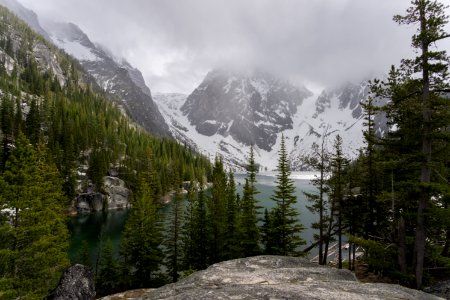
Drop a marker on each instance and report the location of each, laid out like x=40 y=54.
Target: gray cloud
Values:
x=175 y=42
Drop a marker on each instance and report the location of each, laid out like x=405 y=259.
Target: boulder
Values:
x=441 y=289
x=77 y=282
x=116 y=192
x=89 y=202
x=278 y=277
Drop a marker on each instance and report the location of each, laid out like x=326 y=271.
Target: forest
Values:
x=392 y=201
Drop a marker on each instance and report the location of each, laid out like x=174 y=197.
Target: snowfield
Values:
x=309 y=125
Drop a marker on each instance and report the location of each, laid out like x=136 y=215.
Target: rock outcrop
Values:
x=89 y=202
x=77 y=282
x=116 y=192
x=441 y=289
x=115 y=196
x=277 y=277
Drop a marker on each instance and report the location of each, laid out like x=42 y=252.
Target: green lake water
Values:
x=95 y=227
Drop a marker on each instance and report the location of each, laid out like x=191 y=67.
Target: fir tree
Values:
x=433 y=66
x=173 y=251
x=142 y=237
x=250 y=236
x=320 y=161
x=107 y=279
x=200 y=240
x=232 y=231
x=285 y=224
x=188 y=232
x=34 y=248
x=217 y=212
x=337 y=184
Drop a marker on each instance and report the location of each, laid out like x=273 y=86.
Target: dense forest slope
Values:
x=54 y=121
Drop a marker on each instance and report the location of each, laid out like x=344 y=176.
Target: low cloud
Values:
x=174 y=43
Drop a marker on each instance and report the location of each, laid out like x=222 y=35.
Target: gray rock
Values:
x=117 y=194
x=441 y=289
x=89 y=202
x=277 y=277
x=76 y=283
x=253 y=108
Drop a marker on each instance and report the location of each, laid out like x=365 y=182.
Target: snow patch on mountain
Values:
x=75 y=49
x=334 y=111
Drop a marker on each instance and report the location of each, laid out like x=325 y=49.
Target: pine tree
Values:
x=107 y=279
x=188 y=232
x=371 y=181
x=200 y=240
x=415 y=145
x=232 y=232
x=250 y=236
x=217 y=212
x=33 y=123
x=173 y=251
x=285 y=217
x=320 y=161
x=267 y=235
x=337 y=184
x=433 y=65
x=142 y=237
x=34 y=248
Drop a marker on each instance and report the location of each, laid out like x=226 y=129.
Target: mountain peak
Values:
x=252 y=107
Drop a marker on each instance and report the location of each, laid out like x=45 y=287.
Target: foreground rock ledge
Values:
x=275 y=277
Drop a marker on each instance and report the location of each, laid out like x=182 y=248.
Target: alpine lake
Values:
x=99 y=227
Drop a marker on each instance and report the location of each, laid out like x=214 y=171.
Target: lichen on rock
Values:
x=278 y=277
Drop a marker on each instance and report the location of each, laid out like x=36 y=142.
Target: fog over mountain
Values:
x=175 y=44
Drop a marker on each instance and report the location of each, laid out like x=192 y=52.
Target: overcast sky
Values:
x=176 y=42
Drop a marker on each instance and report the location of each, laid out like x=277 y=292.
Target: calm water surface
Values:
x=93 y=228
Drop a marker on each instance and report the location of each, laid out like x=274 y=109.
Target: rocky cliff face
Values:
x=229 y=112
x=252 y=108
x=116 y=196
x=274 y=277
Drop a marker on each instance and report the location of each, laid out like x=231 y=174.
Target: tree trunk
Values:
x=425 y=177
x=321 y=221
x=445 y=250
x=402 y=246
x=328 y=235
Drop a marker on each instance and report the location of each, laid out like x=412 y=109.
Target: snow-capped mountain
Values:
x=264 y=108
x=251 y=108
x=116 y=77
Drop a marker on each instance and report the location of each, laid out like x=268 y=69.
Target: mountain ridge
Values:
x=310 y=117
x=120 y=81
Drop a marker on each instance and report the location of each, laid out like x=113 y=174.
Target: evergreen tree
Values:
x=267 y=234
x=200 y=240
x=83 y=254
x=337 y=184
x=413 y=150
x=142 y=237
x=285 y=217
x=433 y=66
x=232 y=232
x=320 y=161
x=35 y=239
x=173 y=251
x=370 y=182
x=107 y=279
x=188 y=232
x=33 y=123
x=250 y=235
x=217 y=212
